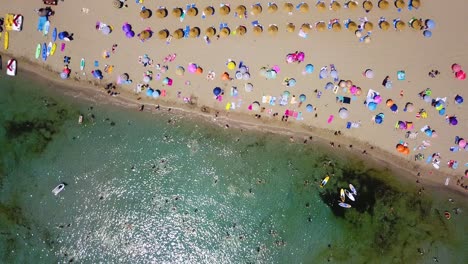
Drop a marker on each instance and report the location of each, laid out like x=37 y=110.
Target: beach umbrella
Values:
x=352 y=26
x=263 y=71
x=126 y=27
x=224 y=10
x=384 y=25
x=257 y=30
x=211 y=31
x=167 y=81
x=304 y=8
x=329 y=86
x=323 y=74
x=302 y=98
x=400 y=4
x=225 y=77
x=117 y=4
x=430 y=24
x=383 y=4
x=149 y=92
x=389 y=102
x=146 y=79
x=378 y=99
x=144 y=35
x=415 y=3
x=428 y=132
x=194 y=32
x=456 y=67
x=97 y=74
x=177 y=12
x=372 y=106
x=406 y=151
x=241 y=30
x=225 y=31
x=458 y=99
x=124 y=77
x=305 y=27
x=409 y=107
x=130 y=34
x=334 y=74
x=353 y=90
x=238 y=75
x=241 y=9
x=288 y=7
x=427 y=33
x=192 y=11
x=248 y=87
x=416 y=24
x=273 y=29
x=442 y=111
x=271 y=74
x=246 y=76
x=453 y=121
x=286 y=93
x=272 y=8
x=427 y=98
x=106 y=30
x=378 y=118
x=352 y=5
x=199 y=70
x=209 y=11
x=290 y=58
x=400 y=148
x=343 y=113
x=156 y=94
x=231 y=65
x=256 y=9
x=368 y=26
x=180 y=71
x=369 y=73
x=320 y=26
x=192 y=67
x=300 y=56
x=290 y=27
x=367 y=5
x=64 y=75
x=394 y=108
x=62 y=35
x=335 y=6
x=255 y=106
x=400 y=25
x=309 y=108
x=161 y=13
x=462 y=143
x=178 y=33
x=145 y=13
x=309 y=68
x=336 y=27
x=401 y=125
x=217 y=91
x=243 y=69
x=460 y=75
x=291 y=82
x=321 y=6
x=163 y=34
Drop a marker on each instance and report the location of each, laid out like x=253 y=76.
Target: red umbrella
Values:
x=460 y=75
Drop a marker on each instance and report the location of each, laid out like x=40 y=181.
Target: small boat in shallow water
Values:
x=344 y=205
x=447 y=215
x=350 y=195
x=58 y=189
x=324 y=181
x=342 y=195
x=353 y=190
x=80 y=119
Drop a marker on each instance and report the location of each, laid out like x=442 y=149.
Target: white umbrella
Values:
x=343 y=113
x=248 y=87
x=246 y=76
x=146 y=79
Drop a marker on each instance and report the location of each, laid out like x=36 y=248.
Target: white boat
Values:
x=350 y=195
x=11 y=67
x=58 y=189
x=342 y=195
x=80 y=119
x=353 y=190
x=344 y=205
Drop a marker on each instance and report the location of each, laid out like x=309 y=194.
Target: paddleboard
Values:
x=46 y=28
x=44 y=52
x=324 y=181
x=54 y=35
x=6 y=38
x=54 y=47
x=82 y=64
x=353 y=190
x=38 y=51
x=350 y=195
x=342 y=195
x=344 y=205
x=49 y=48
x=11 y=67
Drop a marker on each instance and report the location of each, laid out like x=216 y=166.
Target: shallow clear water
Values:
x=142 y=190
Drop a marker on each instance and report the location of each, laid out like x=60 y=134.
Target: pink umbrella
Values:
x=276 y=68
x=456 y=67
x=300 y=56
x=462 y=143
x=460 y=75
x=192 y=68
x=290 y=58
x=378 y=99
x=353 y=89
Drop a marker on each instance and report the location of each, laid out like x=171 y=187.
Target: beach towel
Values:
x=163 y=92
x=228 y=106
x=233 y=106
x=330 y=119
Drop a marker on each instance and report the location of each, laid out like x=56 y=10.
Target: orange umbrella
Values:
x=241 y=30
x=321 y=6
x=163 y=34
x=161 y=12
x=400 y=25
x=290 y=27
x=224 y=32
x=368 y=26
x=194 y=32
x=178 y=34
x=241 y=10
x=273 y=29
x=367 y=5
x=193 y=11
x=389 y=102
x=384 y=25
x=320 y=26
x=352 y=26
x=406 y=151
x=257 y=9
x=199 y=70
x=400 y=4
x=258 y=30
x=383 y=4
x=225 y=76
x=335 y=6
x=211 y=31
x=224 y=10
x=288 y=7
x=305 y=27
x=209 y=11
x=400 y=148
x=272 y=8
x=177 y=12
x=304 y=8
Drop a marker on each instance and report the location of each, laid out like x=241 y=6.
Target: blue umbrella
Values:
x=302 y=97
x=217 y=91
x=378 y=119
x=97 y=74
x=63 y=75
x=428 y=132
x=372 y=106
x=156 y=94
x=458 y=99
x=309 y=108
x=149 y=92
x=442 y=111
x=430 y=24
x=427 y=99
x=63 y=35
x=309 y=68
x=427 y=33
x=329 y=86
x=394 y=107
x=292 y=82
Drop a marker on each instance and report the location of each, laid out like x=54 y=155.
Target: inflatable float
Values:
x=11 y=67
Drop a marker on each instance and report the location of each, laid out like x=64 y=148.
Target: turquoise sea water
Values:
x=142 y=190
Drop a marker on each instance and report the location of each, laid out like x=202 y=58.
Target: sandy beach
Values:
x=386 y=53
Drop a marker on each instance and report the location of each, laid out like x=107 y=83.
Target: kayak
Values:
x=38 y=51
x=54 y=47
x=324 y=181
x=353 y=190
x=49 y=48
x=342 y=195
x=350 y=195
x=46 y=28
x=44 y=52
x=54 y=35
x=344 y=205
x=11 y=67
x=82 y=64
x=6 y=38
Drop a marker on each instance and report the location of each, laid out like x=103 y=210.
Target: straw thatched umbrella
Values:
x=178 y=34
x=400 y=4
x=241 y=9
x=224 y=32
x=257 y=9
x=336 y=26
x=224 y=10
x=335 y=6
x=145 y=14
x=161 y=12
x=211 y=31
x=288 y=7
x=272 y=8
x=352 y=5
x=144 y=35
x=320 y=26
x=383 y=4
x=367 y=5
x=321 y=6
x=177 y=12
x=194 y=32
x=384 y=25
x=305 y=27
x=352 y=26
x=241 y=30
x=209 y=11
x=290 y=27
x=117 y=4
x=258 y=30
x=416 y=3
x=304 y=8
x=368 y=26
x=400 y=25
x=416 y=24
x=273 y=29
x=163 y=34
x=193 y=11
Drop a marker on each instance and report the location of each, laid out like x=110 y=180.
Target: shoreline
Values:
x=93 y=91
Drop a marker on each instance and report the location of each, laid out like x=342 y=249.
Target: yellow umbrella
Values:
x=145 y=13
x=304 y=8
x=320 y=26
x=224 y=10
x=211 y=31
x=161 y=12
x=352 y=5
x=241 y=10
x=178 y=34
x=241 y=30
x=194 y=32
x=258 y=30
x=231 y=65
x=272 y=8
x=288 y=7
x=335 y=6
x=400 y=25
x=416 y=24
x=383 y=4
x=209 y=11
x=305 y=27
x=290 y=27
x=321 y=6
x=368 y=26
x=177 y=12
x=224 y=32
x=384 y=25
x=336 y=27
x=352 y=26
x=193 y=11
x=400 y=4
x=367 y=5
x=416 y=3
x=273 y=29
x=257 y=9
x=163 y=34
